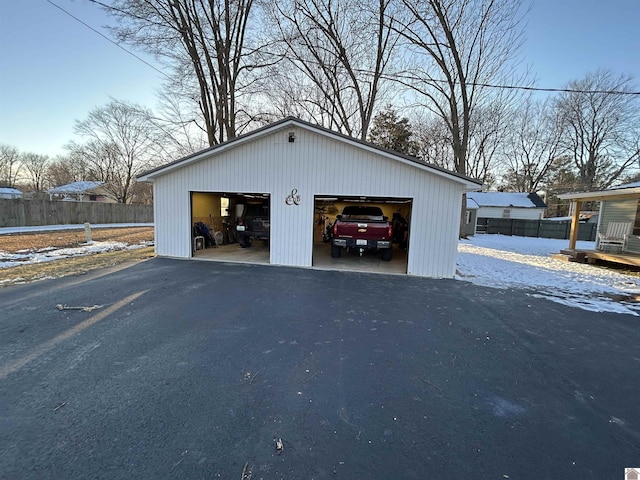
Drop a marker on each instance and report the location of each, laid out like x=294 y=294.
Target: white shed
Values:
x=516 y=205
x=298 y=167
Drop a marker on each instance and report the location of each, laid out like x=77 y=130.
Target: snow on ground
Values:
x=49 y=254
x=501 y=261
x=496 y=261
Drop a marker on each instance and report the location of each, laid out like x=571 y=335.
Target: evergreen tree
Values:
x=391 y=132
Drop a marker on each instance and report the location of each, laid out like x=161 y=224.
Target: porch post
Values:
x=575 y=222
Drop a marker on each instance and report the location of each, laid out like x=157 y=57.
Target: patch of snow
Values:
x=8 y=260
x=497 y=261
x=525 y=263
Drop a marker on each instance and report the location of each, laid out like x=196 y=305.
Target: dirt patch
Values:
x=30 y=242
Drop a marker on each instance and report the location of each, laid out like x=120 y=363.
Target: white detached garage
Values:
x=294 y=160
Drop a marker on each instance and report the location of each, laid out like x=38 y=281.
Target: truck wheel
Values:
x=387 y=253
x=245 y=242
x=336 y=251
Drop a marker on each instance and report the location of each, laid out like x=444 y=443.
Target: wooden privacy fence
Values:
x=536 y=228
x=23 y=213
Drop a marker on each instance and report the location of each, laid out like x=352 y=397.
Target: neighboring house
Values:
x=618 y=204
x=10 y=193
x=83 y=191
x=508 y=205
x=471 y=216
x=293 y=166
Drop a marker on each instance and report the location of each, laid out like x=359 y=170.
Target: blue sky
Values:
x=54 y=70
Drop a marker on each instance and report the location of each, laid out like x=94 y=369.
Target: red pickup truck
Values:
x=362 y=228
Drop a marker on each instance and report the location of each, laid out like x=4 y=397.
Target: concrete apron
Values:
x=258 y=253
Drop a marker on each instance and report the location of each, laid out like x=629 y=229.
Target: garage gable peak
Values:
x=284 y=126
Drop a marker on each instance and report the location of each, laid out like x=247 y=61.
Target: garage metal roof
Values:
x=470 y=183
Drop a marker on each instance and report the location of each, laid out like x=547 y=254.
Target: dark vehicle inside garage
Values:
x=252 y=222
x=361 y=233
x=362 y=228
x=225 y=224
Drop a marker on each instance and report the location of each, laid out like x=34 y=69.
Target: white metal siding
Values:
x=518 y=213
x=313 y=165
x=172 y=224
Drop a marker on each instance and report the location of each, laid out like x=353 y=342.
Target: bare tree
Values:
x=36 y=168
x=532 y=146
x=211 y=49
x=121 y=142
x=459 y=47
x=184 y=135
x=10 y=165
x=339 y=51
x=67 y=169
x=601 y=128
x=487 y=130
x=433 y=142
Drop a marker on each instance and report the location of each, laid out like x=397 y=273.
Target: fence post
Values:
x=87 y=233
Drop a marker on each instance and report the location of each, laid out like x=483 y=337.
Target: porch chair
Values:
x=616 y=236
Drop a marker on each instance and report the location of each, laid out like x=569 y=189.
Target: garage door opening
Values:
x=231 y=227
x=361 y=251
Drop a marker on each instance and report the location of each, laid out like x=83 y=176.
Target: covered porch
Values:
x=617 y=205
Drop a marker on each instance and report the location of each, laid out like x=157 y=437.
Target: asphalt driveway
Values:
x=194 y=369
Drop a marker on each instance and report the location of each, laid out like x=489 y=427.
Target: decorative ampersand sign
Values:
x=293 y=198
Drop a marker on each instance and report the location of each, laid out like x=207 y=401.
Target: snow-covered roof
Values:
x=506 y=199
x=10 y=191
x=626 y=185
x=472 y=204
x=76 y=187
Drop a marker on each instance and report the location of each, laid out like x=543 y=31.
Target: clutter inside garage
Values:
x=227 y=218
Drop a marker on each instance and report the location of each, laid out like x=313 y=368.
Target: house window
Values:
x=636 y=223
x=93 y=198
x=506 y=213
x=467 y=217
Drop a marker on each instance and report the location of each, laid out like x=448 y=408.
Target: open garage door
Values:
x=231 y=227
x=359 y=250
